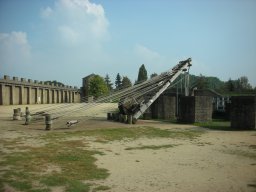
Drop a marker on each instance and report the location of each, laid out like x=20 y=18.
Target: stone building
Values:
x=243 y=112
x=195 y=109
x=164 y=107
x=17 y=91
x=219 y=101
x=174 y=105
x=85 y=88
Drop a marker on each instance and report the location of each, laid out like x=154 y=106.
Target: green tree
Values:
x=244 y=83
x=202 y=82
x=230 y=85
x=108 y=82
x=153 y=75
x=118 y=82
x=97 y=86
x=143 y=74
x=55 y=83
x=126 y=82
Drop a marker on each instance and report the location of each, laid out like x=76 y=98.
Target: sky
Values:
x=66 y=40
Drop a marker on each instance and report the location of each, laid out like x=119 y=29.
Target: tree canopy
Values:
x=118 y=82
x=108 y=82
x=97 y=86
x=126 y=82
x=143 y=74
x=153 y=75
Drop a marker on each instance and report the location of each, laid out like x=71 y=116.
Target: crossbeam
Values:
x=174 y=73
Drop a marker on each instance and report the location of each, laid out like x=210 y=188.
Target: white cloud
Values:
x=69 y=34
x=77 y=21
x=154 y=61
x=14 y=49
x=146 y=53
x=46 y=12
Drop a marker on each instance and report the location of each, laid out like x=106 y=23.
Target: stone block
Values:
x=243 y=112
x=15 y=79
x=6 y=77
x=195 y=109
x=164 y=108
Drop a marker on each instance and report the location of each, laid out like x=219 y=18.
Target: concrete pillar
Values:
x=1 y=94
x=61 y=96
x=21 y=96
x=49 y=96
x=41 y=96
x=56 y=96
x=12 y=95
x=66 y=96
x=243 y=112
x=69 y=96
x=29 y=94
x=53 y=96
x=73 y=97
x=37 y=95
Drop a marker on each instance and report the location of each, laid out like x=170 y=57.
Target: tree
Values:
x=153 y=75
x=97 y=86
x=108 y=82
x=126 y=82
x=118 y=82
x=230 y=85
x=142 y=75
x=244 y=83
x=55 y=83
x=202 y=82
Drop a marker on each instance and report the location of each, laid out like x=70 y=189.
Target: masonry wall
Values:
x=14 y=92
x=243 y=112
x=164 y=107
x=195 y=109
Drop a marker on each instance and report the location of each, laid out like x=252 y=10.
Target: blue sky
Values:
x=65 y=40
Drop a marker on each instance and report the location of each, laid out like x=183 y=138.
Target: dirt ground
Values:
x=216 y=161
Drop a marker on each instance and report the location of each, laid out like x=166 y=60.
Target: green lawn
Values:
x=66 y=159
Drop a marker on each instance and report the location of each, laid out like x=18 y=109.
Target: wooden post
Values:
x=16 y=114
x=129 y=121
x=27 y=117
x=48 y=122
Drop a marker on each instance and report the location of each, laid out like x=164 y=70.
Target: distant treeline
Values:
x=230 y=87
x=55 y=83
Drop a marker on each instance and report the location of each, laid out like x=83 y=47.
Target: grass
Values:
x=241 y=153
x=75 y=164
x=101 y=188
x=107 y=135
x=153 y=147
x=65 y=159
x=216 y=125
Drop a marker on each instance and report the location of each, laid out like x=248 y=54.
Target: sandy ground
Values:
x=217 y=161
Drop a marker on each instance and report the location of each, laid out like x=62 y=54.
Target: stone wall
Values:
x=195 y=109
x=243 y=112
x=16 y=92
x=164 y=108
